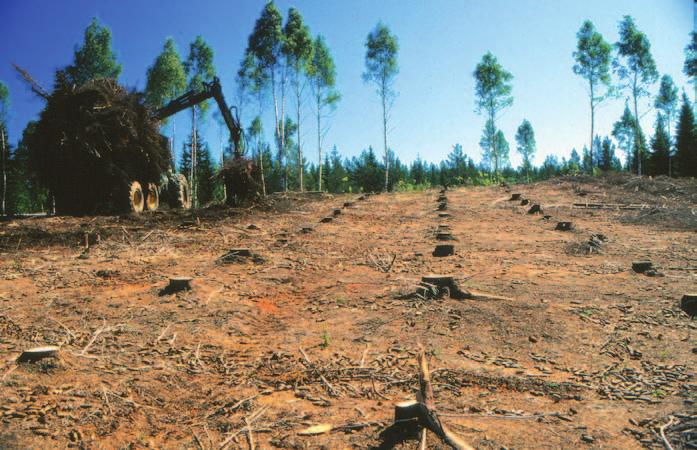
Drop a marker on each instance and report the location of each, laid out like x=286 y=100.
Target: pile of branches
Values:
x=240 y=184
x=91 y=142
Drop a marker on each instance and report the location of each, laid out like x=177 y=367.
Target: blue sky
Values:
x=441 y=41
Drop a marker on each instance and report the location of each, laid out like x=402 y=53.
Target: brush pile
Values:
x=91 y=142
x=240 y=185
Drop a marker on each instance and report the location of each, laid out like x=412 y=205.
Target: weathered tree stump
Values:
x=251 y=226
x=535 y=209
x=38 y=353
x=524 y=202
x=442 y=206
x=348 y=204
x=436 y=286
x=564 y=226
x=688 y=304
x=641 y=266
x=326 y=219
x=442 y=250
x=361 y=198
x=443 y=214
x=445 y=236
x=238 y=255
x=176 y=284
x=514 y=197
x=442 y=198
x=306 y=229
x=443 y=227
x=336 y=212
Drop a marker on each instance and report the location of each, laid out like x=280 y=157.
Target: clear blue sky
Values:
x=441 y=41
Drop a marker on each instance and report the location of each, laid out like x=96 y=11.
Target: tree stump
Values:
x=348 y=204
x=688 y=304
x=514 y=197
x=443 y=227
x=443 y=214
x=442 y=198
x=641 y=266
x=445 y=236
x=306 y=229
x=38 y=353
x=236 y=255
x=524 y=202
x=535 y=209
x=336 y=212
x=361 y=198
x=442 y=206
x=176 y=284
x=564 y=226
x=326 y=219
x=435 y=286
x=442 y=250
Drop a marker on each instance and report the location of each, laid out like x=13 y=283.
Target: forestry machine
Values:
x=174 y=187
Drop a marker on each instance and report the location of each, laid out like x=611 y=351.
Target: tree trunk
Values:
x=637 y=127
x=592 y=125
x=384 y=135
x=260 y=151
x=277 y=121
x=194 y=199
x=283 y=128
x=4 y=170
x=300 y=152
x=319 y=135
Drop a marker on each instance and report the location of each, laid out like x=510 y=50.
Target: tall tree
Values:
x=593 y=55
x=199 y=69
x=4 y=144
x=255 y=132
x=608 y=161
x=667 y=101
x=94 y=59
x=166 y=80
x=264 y=56
x=623 y=131
x=636 y=67
x=297 y=49
x=686 y=141
x=660 y=148
x=381 y=69
x=493 y=91
x=690 y=67
x=525 y=138
x=322 y=74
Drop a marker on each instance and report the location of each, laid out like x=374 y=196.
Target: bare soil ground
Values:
x=563 y=345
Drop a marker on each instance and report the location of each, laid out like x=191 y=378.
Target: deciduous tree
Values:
x=322 y=74
x=381 y=69
x=525 y=138
x=297 y=49
x=94 y=59
x=199 y=69
x=637 y=69
x=166 y=80
x=593 y=56
x=493 y=92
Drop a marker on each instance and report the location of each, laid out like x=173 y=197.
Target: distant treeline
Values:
x=289 y=71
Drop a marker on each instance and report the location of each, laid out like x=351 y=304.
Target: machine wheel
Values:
x=136 y=199
x=152 y=199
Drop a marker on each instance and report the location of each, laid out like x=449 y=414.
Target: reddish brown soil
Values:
x=558 y=349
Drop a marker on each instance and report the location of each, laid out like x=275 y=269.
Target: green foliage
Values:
x=525 y=138
x=592 y=56
x=667 y=98
x=660 y=146
x=634 y=62
x=199 y=68
x=266 y=41
x=381 y=66
x=207 y=183
x=690 y=67
x=94 y=59
x=686 y=141
x=166 y=79
x=493 y=86
x=623 y=132
x=297 y=42
x=4 y=103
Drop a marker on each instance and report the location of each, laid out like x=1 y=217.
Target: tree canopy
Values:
x=94 y=59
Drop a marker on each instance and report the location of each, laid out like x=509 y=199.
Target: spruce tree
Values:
x=94 y=59
x=686 y=141
x=660 y=149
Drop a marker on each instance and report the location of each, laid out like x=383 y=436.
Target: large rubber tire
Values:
x=136 y=199
x=152 y=198
x=183 y=193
